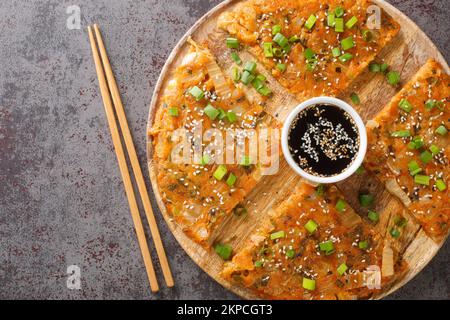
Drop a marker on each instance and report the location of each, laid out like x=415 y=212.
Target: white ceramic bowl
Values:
x=362 y=140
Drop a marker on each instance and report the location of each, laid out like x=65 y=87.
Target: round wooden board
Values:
x=407 y=53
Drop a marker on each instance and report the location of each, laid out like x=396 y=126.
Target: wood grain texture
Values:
x=406 y=53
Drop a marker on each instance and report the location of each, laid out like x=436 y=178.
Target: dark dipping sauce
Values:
x=323 y=140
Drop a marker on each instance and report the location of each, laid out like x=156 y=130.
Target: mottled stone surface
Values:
x=61 y=195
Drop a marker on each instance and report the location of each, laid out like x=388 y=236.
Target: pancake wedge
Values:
x=312 y=48
x=410 y=148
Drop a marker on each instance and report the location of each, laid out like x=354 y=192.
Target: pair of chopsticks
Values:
x=108 y=85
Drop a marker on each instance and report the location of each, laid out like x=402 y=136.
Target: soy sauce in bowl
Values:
x=323 y=140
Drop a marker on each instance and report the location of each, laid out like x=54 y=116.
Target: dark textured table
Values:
x=62 y=201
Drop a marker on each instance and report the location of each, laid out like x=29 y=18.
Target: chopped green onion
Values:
x=261 y=77
x=231 y=179
x=290 y=253
x=331 y=19
x=421 y=179
x=245 y=161
x=224 y=251
x=384 y=67
x=236 y=74
x=405 y=105
x=373 y=216
x=341 y=205
x=366 y=200
x=231 y=116
x=429 y=104
x=281 y=40
x=339 y=12
x=336 y=52
x=367 y=35
x=393 y=77
x=310 y=22
x=205 y=160
x=281 y=67
x=327 y=247
x=173 y=112
x=426 y=156
x=250 y=66
x=232 y=43
x=374 y=67
x=355 y=98
x=346 y=57
x=363 y=245
x=414 y=168
x=197 y=93
x=222 y=114
x=211 y=112
x=339 y=25
x=236 y=58
x=268 y=49
x=395 y=233
x=258 y=264
x=342 y=269
x=294 y=39
x=416 y=143
x=265 y=91
x=347 y=43
x=276 y=29
x=277 y=235
x=441 y=130
x=435 y=149
x=309 y=54
x=257 y=83
x=220 y=172
x=247 y=77
x=440 y=184
x=311 y=226
x=401 y=134
x=350 y=23
x=309 y=284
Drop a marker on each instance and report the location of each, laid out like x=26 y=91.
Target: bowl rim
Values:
x=361 y=132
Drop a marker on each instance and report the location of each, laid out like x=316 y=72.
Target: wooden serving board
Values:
x=406 y=53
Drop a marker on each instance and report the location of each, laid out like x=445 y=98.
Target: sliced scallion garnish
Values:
x=311 y=226
x=350 y=23
x=277 y=235
x=310 y=22
x=232 y=43
x=422 y=179
x=197 y=93
x=347 y=43
x=220 y=172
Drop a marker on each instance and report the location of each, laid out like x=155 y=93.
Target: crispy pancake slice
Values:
x=313 y=240
x=410 y=147
x=315 y=59
x=195 y=197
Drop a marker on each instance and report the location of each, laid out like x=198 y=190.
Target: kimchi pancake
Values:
x=312 y=48
x=199 y=193
x=313 y=247
x=409 y=147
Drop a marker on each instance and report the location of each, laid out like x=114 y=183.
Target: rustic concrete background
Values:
x=61 y=195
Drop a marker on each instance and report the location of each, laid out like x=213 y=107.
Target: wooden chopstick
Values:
x=117 y=102
x=123 y=166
